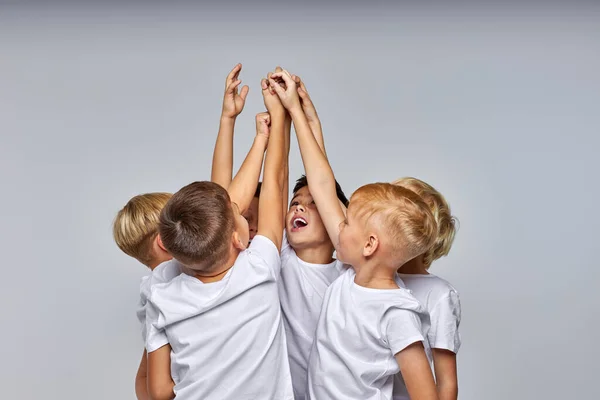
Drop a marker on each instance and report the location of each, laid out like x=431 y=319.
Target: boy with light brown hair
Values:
x=216 y=332
x=136 y=226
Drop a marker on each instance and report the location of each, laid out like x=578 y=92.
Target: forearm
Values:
x=447 y=391
x=242 y=188
x=317 y=131
x=222 y=164
x=286 y=168
x=275 y=160
x=318 y=171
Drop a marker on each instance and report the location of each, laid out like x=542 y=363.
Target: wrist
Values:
x=261 y=139
x=278 y=112
x=227 y=119
x=296 y=112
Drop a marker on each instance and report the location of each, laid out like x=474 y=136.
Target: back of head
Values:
x=446 y=223
x=136 y=225
x=302 y=182
x=407 y=224
x=196 y=225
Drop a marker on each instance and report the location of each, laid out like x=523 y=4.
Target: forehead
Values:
x=302 y=192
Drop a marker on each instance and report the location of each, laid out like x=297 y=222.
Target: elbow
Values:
x=163 y=392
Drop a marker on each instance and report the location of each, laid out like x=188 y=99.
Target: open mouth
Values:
x=298 y=223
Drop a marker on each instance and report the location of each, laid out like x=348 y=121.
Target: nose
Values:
x=300 y=207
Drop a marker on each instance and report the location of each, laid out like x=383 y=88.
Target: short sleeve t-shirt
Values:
x=301 y=290
x=360 y=330
x=227 y=337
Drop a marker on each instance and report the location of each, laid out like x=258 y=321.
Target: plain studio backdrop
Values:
x=496 y=106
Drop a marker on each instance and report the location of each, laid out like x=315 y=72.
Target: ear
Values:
x=160 y=244
x=237 y=242
x=371 y=245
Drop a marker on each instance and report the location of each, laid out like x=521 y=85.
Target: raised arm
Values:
x=310 y=112
x=270 y=222
x=233 y=104
x=242 y=188
x=287 y=131
x=318 y=171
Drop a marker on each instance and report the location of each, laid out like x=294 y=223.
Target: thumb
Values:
x=277 y=87
x=244 y=92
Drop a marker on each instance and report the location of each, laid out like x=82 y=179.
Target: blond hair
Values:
x=446 y=222
x=406 y=219
x=136 y=225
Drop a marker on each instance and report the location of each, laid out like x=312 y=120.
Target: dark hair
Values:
x=302 y=182
x=196 y=225
x=258 y=187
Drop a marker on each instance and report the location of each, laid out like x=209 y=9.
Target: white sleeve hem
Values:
x=156 y=344
x=397 y=347
x=445 y=346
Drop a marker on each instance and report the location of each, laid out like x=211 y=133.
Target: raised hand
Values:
x=307 y=105
x=263 y=124
x=272 y=101
x=233 y=102
x=288 y=92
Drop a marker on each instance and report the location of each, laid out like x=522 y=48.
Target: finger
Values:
x=244 y=92
x=278 y=69
x=297 y=79
x=276 y=86
x=232 y=88
x=264 y=84
x=285 y=76
x=232 y=75
x=268 y=119
x=269 y=75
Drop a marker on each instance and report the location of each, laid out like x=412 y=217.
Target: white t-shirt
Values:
x=301 y=291
x=443 y=305
x=360 y=331
x=227 y=337
x=164 y=272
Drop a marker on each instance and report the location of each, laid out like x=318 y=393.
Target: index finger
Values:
x=232 y=75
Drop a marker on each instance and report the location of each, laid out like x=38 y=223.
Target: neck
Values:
x=155 y=262
x=320 y=254
x=219 y=273
x=414 y=267
x=375 y=275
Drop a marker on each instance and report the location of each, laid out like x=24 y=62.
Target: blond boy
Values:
x=369 y=328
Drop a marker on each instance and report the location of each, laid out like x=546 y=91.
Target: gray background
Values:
x=496 y=106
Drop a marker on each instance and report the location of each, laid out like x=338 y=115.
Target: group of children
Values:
x=246 y=300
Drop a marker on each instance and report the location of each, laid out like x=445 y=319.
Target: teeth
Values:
x=296 y=220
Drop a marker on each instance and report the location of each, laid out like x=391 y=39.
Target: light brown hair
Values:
x=197 y=224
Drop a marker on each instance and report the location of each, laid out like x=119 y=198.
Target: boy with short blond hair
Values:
x=370 y=328
x=135 y=231
x=437 y=295
x=135 y=228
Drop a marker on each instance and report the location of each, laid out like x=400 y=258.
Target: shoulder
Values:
x=433 y=286
x=166 y=271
